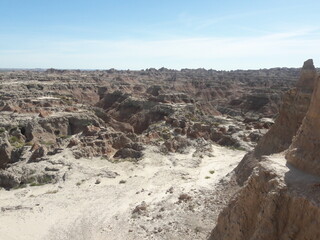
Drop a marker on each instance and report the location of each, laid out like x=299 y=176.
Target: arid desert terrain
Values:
x=160 y=154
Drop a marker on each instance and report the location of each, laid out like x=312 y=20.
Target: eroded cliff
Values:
x=304 y=152
x=280 y=200
x=294 y=107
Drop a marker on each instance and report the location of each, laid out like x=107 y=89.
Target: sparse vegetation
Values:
x=79 y=183
x=35 y=184
x=65 y=136
x=52 y=192
x=211 y=171
x=119 y=160
x=47 y=143
x=22 y=185
x=16 y=142
x=239 y=148
x=39 y=180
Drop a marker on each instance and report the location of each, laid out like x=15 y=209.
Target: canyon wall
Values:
x=276 y=204
x=304 y=153
x=281 y=199
x=294 y=107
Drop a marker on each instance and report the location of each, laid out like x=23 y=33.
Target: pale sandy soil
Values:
x=79 y=207
x=292 y=176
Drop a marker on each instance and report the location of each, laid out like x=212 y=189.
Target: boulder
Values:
x=128 y=153
x=5 y=152
x=38 y=154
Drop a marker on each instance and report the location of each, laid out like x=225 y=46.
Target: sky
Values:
x=140 y=34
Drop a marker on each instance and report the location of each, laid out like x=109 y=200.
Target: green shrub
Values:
x=48 y=143
x=51 y=192
x=65 y=136
x=40 y=180
x=16 y=142
x=22 y=185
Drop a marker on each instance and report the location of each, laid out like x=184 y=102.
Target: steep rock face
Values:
x=280 y=200
x=5 y=151
x=304 y=153
x=306 y=81
x=292 y=112
x=277 y=203
x=294 y=108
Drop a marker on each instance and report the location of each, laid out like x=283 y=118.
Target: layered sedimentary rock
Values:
x=294 y=108
x=278 y=203
x=304 y=153
x=280 y=200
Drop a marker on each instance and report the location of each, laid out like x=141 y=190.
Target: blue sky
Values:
x=96 y=34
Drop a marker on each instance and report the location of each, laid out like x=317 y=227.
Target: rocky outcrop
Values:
x=5 y=151
x=280 y=200
x=176 y=144
x=138 y=112
x=307 y=76
x=294 y=108
x=277 y=203
x=128 y=153
x=304 y=153
x=11 y=147
x=48 y=131
x=38 y=154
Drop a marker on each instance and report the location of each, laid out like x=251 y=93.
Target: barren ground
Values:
x=97 y=199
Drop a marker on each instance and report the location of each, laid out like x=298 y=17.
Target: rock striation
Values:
x=294 y=107
x=280 y=199
x=112 y=114
x=278 y=202
x=304 y=152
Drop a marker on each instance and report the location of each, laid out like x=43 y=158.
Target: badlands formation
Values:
x=159 y=154
x=281 y=198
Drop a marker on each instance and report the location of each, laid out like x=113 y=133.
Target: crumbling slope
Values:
x=304 y=153
x=279 y=202
x=294 y=107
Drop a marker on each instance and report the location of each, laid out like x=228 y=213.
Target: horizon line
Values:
x=143 y=69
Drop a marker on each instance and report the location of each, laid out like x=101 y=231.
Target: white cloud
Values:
x=283 y=49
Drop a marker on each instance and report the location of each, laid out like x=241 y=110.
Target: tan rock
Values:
x=34 y=147
x=44 y=114
x=11 y=108
x=5 y=152
x=90 y=130
x=269 y=208
x=304 y=153
x=279 y=201
x=38 y=154
x=308 y=74
x=294 y=108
